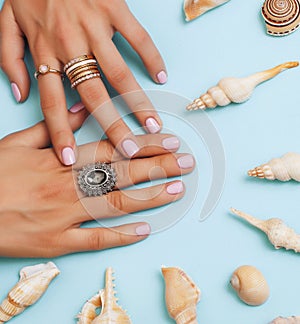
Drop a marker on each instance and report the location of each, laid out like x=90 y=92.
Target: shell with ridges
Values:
x=34 y=281
x=182 y=295
x=286 y=320
x=236 y=90
x=282 y=17
x=250 y=285
x=196 y=8
x=285 y=168
x=280 y=235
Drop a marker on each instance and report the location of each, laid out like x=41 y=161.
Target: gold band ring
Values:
x=45 y=69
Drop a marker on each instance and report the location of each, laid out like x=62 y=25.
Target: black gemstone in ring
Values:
x=97 y=179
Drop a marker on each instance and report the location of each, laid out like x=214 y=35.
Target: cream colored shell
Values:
x=250 y=285
x=286 y=320
x=236 y=90
x=196 y=8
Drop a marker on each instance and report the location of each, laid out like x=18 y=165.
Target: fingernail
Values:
x=130 y=147
x=186 y=161
x=143 y=230
x=68 y=156
x=162 y=77
x=171 y=143
x=175 y=188
x=152 y=125
x=16 y=91
x=77 y=107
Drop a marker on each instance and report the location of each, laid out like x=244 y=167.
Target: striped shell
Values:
x=282 y=17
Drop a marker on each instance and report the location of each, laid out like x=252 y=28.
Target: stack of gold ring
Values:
x=81 y=68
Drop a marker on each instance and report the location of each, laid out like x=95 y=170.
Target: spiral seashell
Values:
x=285 y=168
x=282 y=17
x=182 y=296
x=250 y=285
x=236 y=90
x=286 y=320
x=279 y=234
x=34 y=281
x=196 y=8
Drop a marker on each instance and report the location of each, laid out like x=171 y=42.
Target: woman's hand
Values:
x=58 y=31
x=42 y=208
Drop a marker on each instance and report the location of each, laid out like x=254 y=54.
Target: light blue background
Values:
x=229 y=41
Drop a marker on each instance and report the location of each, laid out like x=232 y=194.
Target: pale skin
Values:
x=58 y=31
x=42 y=208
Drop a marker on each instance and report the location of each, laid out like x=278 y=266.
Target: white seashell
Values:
x=250 y=285
x=280 y=235
x=182 y=296
x=34 y=281
x=286 y=320
x=284 y=169
x=111 y=312
x=282 y=17
x=236 y=90
x=196 y=8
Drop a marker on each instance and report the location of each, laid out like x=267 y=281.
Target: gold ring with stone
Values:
x=45 y=69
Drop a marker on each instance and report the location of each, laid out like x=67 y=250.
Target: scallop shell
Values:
x=282 y=17
x=286 y=320
x=34 y=281
x=196 y=8
x=182 y=296
x=250 y=285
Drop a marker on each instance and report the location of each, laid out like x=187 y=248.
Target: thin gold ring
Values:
x=45 y=69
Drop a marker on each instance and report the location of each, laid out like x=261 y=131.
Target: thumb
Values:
x=12 y=50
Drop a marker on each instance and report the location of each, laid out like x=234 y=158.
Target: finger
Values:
x=94 y=239
x=12 y=54
x=142 y=43
x=37 y=136
x=104 y=151
x=120 y=77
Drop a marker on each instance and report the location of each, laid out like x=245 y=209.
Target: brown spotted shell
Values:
x=282 y=17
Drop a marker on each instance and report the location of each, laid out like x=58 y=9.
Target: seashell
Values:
x=280 y=235
x=282 y=17
x=111 y=312
x=34 y=281
x=182 y=296
x=196 y=8
x=286 y=320
x=250 y=285
x=236 y=90
x=284 y=168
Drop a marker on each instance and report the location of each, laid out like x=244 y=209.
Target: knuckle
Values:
x=95 y=241
x=118 y=74
x=125 y=172
x=117 y=203
x=142 y=36
x=92 y=94
x=50 y=103
x=141 y=105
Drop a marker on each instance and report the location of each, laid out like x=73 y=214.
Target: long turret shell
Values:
x=236 y=90
x=196 y=8
x=250 y=285
x=280 y=235
x=34 y=281
x=181 y=295
x=284 y=168
x=286 y=320
x=111 y=312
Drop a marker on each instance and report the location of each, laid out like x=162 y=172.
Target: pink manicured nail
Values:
x=77 y=107
x=130 y=147
x=152 y=125
x=68 y=156
x=175 y=188
x=143 y=230
x=162 y=77
x=186 y=161
x=171 y=143
x=16 y=91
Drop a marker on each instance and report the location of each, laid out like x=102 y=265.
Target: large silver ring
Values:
x=96 y=179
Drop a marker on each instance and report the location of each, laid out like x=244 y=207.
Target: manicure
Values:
x=68 y=156
x=130 y=147
x=162 y=77
x=175 y=188
x=143 y=230
x=77 y=107
x=186 y=161
x=16 y=92
x=171 y=143
x=152 y=125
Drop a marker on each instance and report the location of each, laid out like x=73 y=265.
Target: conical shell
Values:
x=181 y=295
x=34 y=281
x=236 y=90
x=196 y=8
x=250 y=285
x=89 y=309
x=286 y=320
x=282 y=17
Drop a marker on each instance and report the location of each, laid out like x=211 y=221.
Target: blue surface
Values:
x=229 y=41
